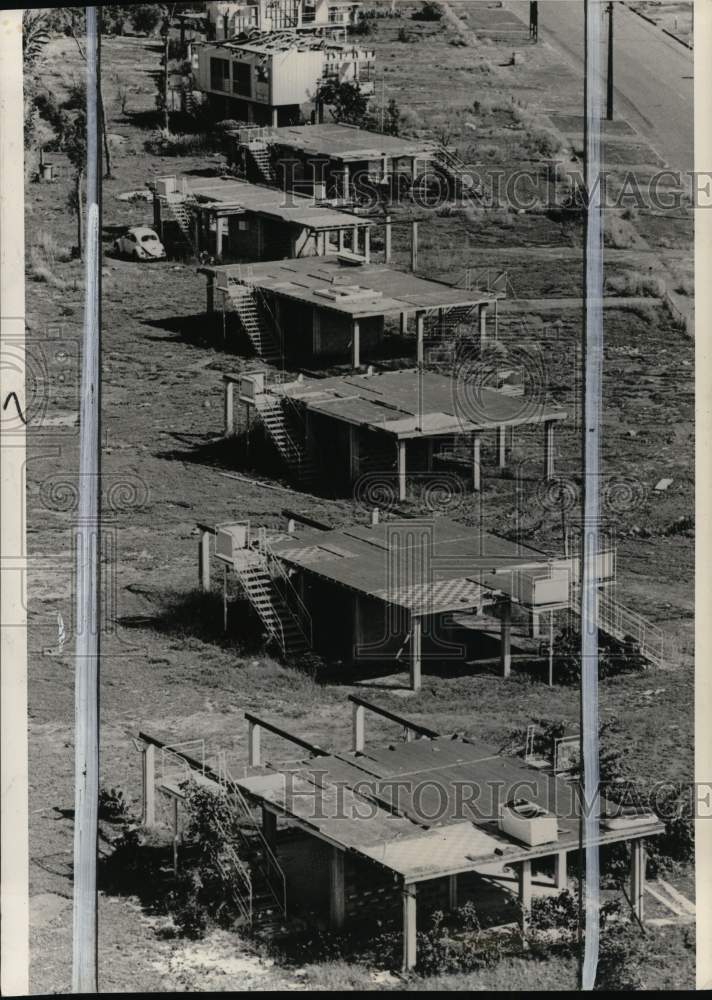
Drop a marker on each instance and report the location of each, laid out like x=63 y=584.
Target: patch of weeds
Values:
x=113 y=807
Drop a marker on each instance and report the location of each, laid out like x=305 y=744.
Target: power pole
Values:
x=592 y=357
x=609 y=81
x=88 y=553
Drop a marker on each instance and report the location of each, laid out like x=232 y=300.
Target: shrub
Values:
x=403 y=35
x=112 y=805
x=459 y=945
x=428 y=12
x=163 y=143
x=145 y=17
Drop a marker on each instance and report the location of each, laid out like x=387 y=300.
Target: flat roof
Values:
x=357 y=290
x=427 y=808
x=342 y=142
x=286 y=39
x=227 y=192
x=409 y=404
x=456 y=569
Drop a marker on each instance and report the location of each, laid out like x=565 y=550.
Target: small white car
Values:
x=139 y=243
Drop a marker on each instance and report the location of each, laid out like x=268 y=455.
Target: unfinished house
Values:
x=394 y=592
x=225 y=20
x=389 y=424
x=389 y=830
x=233 y=220
x=338 y=161
x=272 y=78
x=337 y=308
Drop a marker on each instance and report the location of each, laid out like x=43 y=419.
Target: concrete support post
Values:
x=502 y=446
x=275 y=117
x=525 y=891
x=355 y=344
x=254 y=756
x=482 y=318
x=404 y=324
x=359 y=728
x=637 y=878
x=269 y=827
x=337 y=895
x=506 y=639
x=535 y=624
x=218 y=238
x=149 y=785
x=341 y=240
x=354 y=239
x=416 y=641
x=420 y=336
x=560 y=873
x=548 y=449
x=476 y=467
x=401 y=470
x=347 y=182
x=452 y=892
x=388 y=240
x=410 y=929
x=414 y=246
x=367 y=244
x=229 y=407
x=204 y=561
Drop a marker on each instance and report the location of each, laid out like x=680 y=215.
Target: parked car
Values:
x=140 y=243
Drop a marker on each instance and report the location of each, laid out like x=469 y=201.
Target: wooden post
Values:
x=254 y=757
x=355 y=344
x=482 y=316
x=551 y=649
x=175 y=835
x=149 y=786
x=404 y=324
x=452 y=892
x=337 y=895
x=359 y=728
x=502 y=443
x=354 y=240
x=196 y=231
x=476 y=471
x=637 y=878
x=218 y=237
x=367 y=244
x=341 y=240
x=229 y=407
x=210 y=295
x=548 y=449
x=347 y=184
x=269 y=827
x=420 y=336
x=204 y=561
x=414 y=246
x=560 y=874
x=410 y=936
x=401 y=470
x=388 y=240
x=275 y=117
x=505 y=639
x=416 y=640
x=525 y=892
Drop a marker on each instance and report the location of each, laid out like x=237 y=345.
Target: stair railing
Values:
x=294 y=602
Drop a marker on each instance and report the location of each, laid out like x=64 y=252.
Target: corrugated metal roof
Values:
x=343 y=142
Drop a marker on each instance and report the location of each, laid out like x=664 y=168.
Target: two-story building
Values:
x=272 y=78
x=225 y=20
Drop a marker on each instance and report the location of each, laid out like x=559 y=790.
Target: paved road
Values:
x=652 y=73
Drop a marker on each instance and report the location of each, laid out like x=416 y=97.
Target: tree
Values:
x=74 y=143
x=347 y=102
x=74 y=24
x=145 y=17
x=35 y=35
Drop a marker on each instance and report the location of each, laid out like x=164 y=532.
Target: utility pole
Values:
x=609 y=80
x=88 y=552
x=592 y=358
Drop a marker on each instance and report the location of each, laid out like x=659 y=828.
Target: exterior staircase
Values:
x=271 y=409
x=261 y=338
x=259 y=152
x=272 y=595
x=456 y=171
x=178 y=211
x=625 y=626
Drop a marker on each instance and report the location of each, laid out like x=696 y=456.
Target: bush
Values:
x=459 y=946
x=428 y=12
x=113 y=807
x=613 y=657
x=145 y=17
x=163 y=143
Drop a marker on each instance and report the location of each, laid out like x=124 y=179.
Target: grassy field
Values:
x=162 y=409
